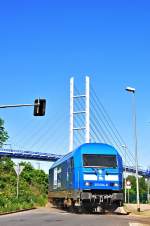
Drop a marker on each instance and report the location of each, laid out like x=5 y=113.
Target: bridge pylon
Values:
x=85 y=111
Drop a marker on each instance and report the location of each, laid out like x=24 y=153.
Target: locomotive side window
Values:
x=97 y=160
x=71 y=163
x=70 y=172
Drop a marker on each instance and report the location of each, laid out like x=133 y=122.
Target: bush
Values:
x=32 y=187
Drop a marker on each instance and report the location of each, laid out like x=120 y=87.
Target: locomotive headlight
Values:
x=116 y=184
x=87 y=183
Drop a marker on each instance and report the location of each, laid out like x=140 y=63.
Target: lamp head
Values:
x=130 y=89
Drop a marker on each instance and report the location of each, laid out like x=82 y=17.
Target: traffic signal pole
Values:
x=39 y=106
x=17 y=105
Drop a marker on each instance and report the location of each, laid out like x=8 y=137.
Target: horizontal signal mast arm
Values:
x=18 y=105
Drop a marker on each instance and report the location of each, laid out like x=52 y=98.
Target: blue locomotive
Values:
x=88 y=179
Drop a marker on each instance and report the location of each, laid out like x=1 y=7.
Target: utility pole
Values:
x=85 y=111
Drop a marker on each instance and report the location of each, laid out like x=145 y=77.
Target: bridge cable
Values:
x=109 y=126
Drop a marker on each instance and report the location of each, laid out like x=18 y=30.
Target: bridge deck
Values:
x=19 y=154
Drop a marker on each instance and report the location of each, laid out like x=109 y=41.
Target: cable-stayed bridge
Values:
x=89 y=122
x=19 y=154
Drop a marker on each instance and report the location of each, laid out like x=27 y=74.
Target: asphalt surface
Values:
x=55 y=217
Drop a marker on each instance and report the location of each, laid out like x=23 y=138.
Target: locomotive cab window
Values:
x=98 y=160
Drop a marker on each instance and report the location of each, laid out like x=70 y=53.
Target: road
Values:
x=55 y=217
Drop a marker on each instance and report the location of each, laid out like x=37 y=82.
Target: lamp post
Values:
x=132 y=90
x=125 y=176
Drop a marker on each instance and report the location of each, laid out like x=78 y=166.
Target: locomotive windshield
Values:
x=97 y=160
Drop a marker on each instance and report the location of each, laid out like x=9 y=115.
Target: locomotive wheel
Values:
x=71 y=209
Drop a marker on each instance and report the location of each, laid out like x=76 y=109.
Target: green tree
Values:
x=3 y=133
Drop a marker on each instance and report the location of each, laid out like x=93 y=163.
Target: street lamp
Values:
x=125 y=176
x=132 y=90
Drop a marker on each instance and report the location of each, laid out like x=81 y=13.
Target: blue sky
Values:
x=44 y=43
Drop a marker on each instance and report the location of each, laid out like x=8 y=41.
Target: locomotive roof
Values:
x=107 y=149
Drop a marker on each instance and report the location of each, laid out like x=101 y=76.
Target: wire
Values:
x=106 y=120
x=51 y=132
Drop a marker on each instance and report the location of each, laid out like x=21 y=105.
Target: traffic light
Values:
x=39 y=107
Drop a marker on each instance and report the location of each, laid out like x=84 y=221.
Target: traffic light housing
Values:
x=39 y=107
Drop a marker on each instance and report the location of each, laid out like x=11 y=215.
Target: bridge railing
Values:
x=141 y=172
x=24 y=154
x=29 y=154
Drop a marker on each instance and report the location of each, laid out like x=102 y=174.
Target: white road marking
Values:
x=137 y=224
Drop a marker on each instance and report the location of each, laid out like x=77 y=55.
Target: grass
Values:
x=14 y=204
